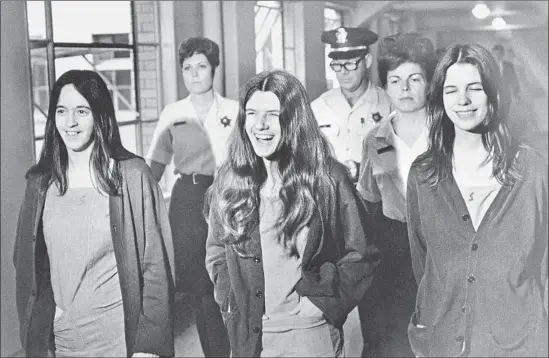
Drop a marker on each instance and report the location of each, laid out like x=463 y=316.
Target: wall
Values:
x=303 y=27
x=187 y=23
x=239 y=44
x=17 y=152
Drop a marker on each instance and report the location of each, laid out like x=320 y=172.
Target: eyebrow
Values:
x=413 y=74
x=81 y=106
x=269 y=111
x=468 y=84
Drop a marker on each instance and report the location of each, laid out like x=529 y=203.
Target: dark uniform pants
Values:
x=189 y=231
x=387 y=307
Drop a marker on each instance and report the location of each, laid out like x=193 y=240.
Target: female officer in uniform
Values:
x=194 y=131
x=405 y=66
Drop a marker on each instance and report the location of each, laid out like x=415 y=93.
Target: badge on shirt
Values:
x=377 y=117
x=225 y=121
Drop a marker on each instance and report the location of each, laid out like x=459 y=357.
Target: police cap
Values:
x=348 y=42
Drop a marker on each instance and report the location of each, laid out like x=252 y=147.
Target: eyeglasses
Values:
x=349 y=66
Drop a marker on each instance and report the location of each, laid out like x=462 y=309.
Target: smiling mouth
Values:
x=71 y=133
x=263 y=138
x=466 y=114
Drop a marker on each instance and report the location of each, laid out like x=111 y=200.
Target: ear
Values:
x=368 y=59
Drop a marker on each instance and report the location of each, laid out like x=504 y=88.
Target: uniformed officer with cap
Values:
x=346 y=114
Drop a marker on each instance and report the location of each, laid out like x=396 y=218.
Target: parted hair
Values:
x=303 y=158
x=437 y=161
x=401 y=48
x=107 y=144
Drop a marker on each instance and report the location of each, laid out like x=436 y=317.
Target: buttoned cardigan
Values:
x=144 y=255
x=337 y=267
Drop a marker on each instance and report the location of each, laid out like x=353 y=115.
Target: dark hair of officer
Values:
x=402 y=48
x=203 y=45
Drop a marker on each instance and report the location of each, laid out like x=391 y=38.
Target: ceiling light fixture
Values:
x=481 y=11
x=498 y=23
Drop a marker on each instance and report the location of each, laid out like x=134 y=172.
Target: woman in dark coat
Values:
x=286 y=249
x=93 y=253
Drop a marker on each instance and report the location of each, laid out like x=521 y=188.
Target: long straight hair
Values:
x=53 y=163
x=303 y=160
x=436 y=162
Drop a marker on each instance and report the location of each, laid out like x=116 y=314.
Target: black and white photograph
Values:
x=286 y=178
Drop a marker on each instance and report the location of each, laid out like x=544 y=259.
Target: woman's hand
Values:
x=306 y=308
x=145 y=355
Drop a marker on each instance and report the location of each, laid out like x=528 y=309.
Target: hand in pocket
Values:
x=306 y=308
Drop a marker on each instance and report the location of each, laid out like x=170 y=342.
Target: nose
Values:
x=262 y=122
x=405 y=85
x=463 y=99
x=194 y=71
x=71 y=121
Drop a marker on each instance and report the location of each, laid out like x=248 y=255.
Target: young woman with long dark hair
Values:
x=477 y=214
x=93 y=253
x=286 y=249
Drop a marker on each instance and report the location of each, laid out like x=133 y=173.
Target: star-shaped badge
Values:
x=377 y=117
x=225 y=121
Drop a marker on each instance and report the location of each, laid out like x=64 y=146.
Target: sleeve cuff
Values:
x=159 y=156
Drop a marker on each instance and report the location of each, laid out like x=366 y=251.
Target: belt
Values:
x=197 y=178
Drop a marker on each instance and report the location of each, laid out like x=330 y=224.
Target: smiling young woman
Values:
x=89 y=283
x=287 y=251
x=477 y=213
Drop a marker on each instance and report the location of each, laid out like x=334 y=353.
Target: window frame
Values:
x=330 y=83
x=280 y=9
x=133 y=46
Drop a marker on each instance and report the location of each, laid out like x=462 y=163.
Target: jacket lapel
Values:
x=40 y=202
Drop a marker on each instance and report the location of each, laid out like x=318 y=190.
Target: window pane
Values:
x=120 y=95
x=38 y=148
x=123 y=77
x=80 y=21
x=110 y=68
x=40 y=89
x=268 y=36
x=127 y=134
x=332 y=20
x=271 y=4
x=36 y=19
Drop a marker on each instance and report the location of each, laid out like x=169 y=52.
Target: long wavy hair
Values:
x=303 y=157
x=53 y=163
x=437 y=161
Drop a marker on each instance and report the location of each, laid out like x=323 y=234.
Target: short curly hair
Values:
x=401 y=48
x=203 y=45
